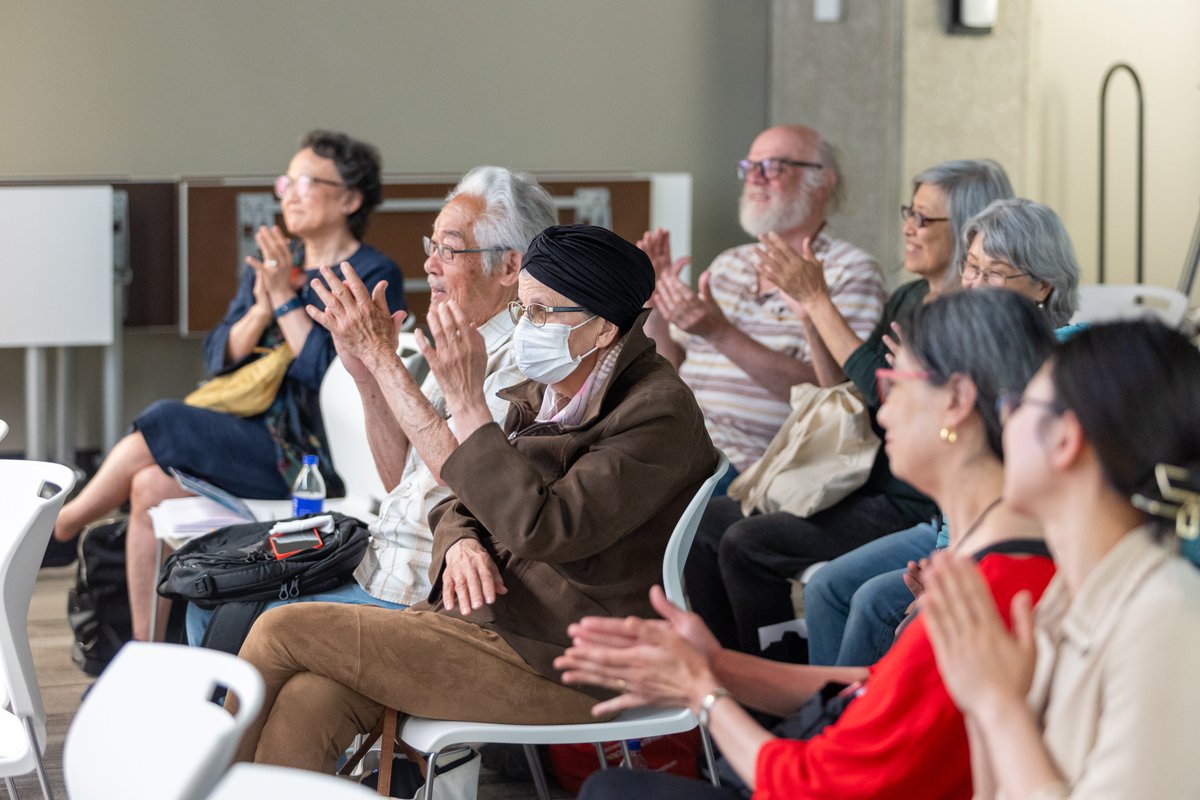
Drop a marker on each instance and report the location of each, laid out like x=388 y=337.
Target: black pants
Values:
x=738 y=570
x=628 y=784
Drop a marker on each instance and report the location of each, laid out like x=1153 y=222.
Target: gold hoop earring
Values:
x=948 y=435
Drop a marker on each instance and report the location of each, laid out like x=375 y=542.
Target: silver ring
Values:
x=270 y=262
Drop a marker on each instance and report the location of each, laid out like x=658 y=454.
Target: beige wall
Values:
x=164 y=87
x=1074 y=42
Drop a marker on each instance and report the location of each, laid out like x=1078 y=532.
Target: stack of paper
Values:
x=181 y=519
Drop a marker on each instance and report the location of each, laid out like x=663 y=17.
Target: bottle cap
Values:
x=310 y=460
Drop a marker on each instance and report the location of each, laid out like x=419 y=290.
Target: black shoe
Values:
x=60 y=554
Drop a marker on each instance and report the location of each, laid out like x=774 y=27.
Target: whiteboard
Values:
x=56 y=266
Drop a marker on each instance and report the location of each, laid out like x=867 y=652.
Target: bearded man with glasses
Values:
x=735 y=341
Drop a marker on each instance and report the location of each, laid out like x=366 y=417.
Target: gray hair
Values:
x=995 y=337
x=830 y=158
x=516 y=209
x=1031 y=237
x=969 y=184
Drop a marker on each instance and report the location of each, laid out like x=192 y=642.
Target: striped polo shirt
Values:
x=742 y=416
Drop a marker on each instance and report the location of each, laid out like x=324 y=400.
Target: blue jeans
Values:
x=198 y=618
x=853 y=604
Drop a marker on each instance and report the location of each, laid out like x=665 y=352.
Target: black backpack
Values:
x=233 y=571
x=98 y=606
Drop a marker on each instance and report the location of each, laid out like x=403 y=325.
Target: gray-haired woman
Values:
x=1021 y=245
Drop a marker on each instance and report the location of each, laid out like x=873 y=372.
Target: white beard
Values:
x=780 y=213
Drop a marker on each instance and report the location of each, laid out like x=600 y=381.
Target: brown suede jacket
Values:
x=576 y=517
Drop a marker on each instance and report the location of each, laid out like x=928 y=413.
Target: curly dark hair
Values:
x=359 y=165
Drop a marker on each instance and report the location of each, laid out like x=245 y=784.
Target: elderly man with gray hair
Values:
x=474 y=255
x=735 y=341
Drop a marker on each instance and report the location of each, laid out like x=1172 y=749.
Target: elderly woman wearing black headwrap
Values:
x=564 y=513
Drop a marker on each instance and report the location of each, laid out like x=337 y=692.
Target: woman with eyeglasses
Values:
x=564 y=511
x=854 y=604
x=331 y=186
x=741 y=568
x=893 y=732
x=1092 y=695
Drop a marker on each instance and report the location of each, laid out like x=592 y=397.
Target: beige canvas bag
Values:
x=823 y=452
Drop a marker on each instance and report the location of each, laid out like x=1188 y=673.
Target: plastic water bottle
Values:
x=636 y=759
x=308 y=492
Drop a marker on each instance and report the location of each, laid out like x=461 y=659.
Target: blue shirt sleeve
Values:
x=218 y=338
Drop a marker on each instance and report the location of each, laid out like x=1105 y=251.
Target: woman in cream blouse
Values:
x=1094 y=694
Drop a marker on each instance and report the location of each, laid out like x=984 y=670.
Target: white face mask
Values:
x=544 y=354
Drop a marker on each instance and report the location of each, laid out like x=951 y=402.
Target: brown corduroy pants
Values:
x=331 y=668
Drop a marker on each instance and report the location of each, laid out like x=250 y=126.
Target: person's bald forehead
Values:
x=789 y=141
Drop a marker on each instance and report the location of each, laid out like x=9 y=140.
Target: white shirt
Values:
x=395 y=567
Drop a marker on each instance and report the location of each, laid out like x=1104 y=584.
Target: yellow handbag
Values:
x=248 y=390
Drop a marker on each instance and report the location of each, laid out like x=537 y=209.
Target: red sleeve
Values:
x=902 y=737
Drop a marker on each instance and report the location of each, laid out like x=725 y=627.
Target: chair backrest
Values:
x=149 y=726
x=346 y=428
x=680 y=542
x=1108 y=302
x=31 y=494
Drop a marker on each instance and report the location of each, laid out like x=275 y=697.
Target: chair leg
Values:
x=430 y=774
x=387 y=750
x=626 y=761
x=708 y=756
x=39 y=764
x=10 y=786
x=600 y=754
x=539 y=774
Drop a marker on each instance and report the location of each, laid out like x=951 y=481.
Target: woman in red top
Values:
x=901 y=736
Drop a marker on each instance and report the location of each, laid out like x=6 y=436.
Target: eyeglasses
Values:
x=537 y=312
x=1008 y=403
x=302 y=183
x=771 y=167
x=446 y=253
x=885 y=379
x=920 y=220
x=991 y=277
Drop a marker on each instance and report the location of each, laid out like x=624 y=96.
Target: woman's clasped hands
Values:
x=661 y=662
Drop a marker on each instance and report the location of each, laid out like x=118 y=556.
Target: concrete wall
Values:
x=844 y=79
x=163 y=87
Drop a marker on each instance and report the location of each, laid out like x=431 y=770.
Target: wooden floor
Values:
x=63 y=685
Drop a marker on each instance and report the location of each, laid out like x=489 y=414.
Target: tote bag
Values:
x=823 y=452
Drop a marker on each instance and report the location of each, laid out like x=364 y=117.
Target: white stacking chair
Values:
x=150 y=726
x=1109 y=302
x=260 y=781
x=31 y=494
x=346 y=428
x=432 y=736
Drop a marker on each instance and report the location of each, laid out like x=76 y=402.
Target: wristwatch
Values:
x=288 y=307
x=710 y=700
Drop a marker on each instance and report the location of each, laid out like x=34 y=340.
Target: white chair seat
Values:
x=357 y=506
x=258 y=781
x=16 y=755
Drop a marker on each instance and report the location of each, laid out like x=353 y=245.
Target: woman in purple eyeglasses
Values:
x=331 y=187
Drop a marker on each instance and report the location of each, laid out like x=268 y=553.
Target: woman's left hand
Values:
x=457 y=355
x=798 y=275
x=646 y=660
x=980 y=661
